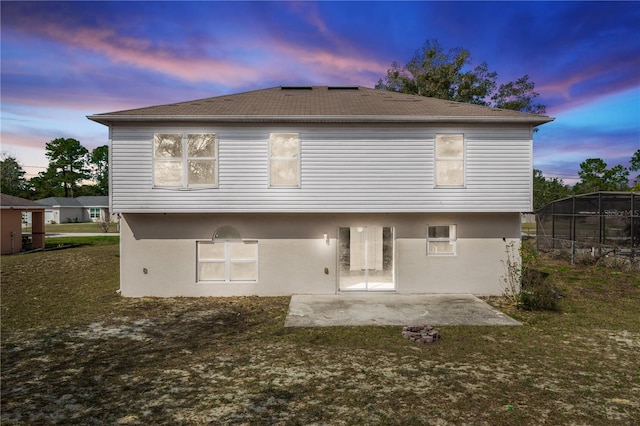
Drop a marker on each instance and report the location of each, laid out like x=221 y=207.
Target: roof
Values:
x=94 y=200
x=13 y=202
x=321 y=104
x=84 y=201
x=606 y=195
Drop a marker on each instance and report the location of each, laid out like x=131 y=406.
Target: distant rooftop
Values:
x=13 y=202
x=321 y=104
x=83 y=201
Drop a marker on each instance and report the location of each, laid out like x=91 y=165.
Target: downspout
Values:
x=13 y=236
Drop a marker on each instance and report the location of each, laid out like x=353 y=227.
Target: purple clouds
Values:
x=64 y=60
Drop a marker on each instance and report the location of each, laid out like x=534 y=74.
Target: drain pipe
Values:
x=13 y=236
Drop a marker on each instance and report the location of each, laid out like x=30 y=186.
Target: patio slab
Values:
x=354 y=309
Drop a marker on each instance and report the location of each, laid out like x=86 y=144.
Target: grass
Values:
x=52 y=242
x=85 y=227
x=529 y=228
x=73 y=352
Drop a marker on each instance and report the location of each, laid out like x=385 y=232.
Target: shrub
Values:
x=536 y=293
x=526 y=287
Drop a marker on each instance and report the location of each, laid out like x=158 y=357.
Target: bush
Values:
x=526 y=287
x=536 y=293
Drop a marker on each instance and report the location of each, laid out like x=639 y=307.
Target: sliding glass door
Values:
x=365 y=258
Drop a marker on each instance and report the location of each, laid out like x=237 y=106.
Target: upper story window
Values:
x=450 y=170
x=184 y=160
x=284 y=160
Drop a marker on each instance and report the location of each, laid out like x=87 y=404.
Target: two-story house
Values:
x=317 y=190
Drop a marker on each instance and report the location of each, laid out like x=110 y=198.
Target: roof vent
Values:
x=297 y=88
x=342 y=88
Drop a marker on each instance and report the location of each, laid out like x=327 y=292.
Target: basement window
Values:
x=441 y=240
x=227 y=261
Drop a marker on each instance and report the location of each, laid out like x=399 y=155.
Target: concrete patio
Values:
x=354 y=309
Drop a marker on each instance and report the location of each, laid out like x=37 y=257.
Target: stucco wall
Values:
x=11 y=222
x=293 y=255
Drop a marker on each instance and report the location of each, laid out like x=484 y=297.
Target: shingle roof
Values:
x=10 y=201
x=83 y=201
x=320 y=104
x=93 y=200
x=60 y=202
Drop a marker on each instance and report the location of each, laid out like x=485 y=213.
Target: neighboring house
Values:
x=80 y=209
x=11 y=238
x=317 y=190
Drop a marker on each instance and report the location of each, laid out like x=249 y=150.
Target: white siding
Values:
x=344 y=168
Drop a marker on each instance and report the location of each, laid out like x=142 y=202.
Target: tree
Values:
x=635 y=167
x=46 y=184
x=546 y=190
x=594 y=177
x=100 y=164
x=12 y=181
x=447 y=75
x=518 y=95
x=67 y=163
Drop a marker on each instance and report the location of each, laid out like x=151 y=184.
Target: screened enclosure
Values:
x=597 y=221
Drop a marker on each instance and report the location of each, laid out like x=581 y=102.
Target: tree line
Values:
x=594 y=176
x=73 y=171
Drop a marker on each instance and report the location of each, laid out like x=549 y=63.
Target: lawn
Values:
x=74 y=352
x=84 y=227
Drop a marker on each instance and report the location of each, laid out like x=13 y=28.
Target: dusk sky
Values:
x=62 y=61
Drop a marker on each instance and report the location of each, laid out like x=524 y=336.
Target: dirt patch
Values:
x=230 y=361
x=73 y=352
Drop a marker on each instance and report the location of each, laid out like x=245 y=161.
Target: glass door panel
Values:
x=365 y=259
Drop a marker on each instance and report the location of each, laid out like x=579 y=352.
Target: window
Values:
x=185 y=161
x=450 y=160
x=441 y=240
x=284 y=160
x=227 y=261
x=94 y=214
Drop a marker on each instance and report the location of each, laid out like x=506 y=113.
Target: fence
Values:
x=590 y=252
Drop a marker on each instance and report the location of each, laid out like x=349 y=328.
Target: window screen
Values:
x=227 y=261
x=449 y=160
x=184 y=162
x=441 y=240
x=284 y=160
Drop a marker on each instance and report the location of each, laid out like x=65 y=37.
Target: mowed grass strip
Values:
x=82 y=227
x=92 y=357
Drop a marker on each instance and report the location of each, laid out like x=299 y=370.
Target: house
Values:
x=317 y=190
x=12 y=240
x=80 y=209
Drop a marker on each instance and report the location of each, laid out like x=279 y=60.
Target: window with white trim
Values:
x=450 y=170
x=441 y=240
x=94 y=213
x=284 y=160
x=227 y=261
x=184 y=160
